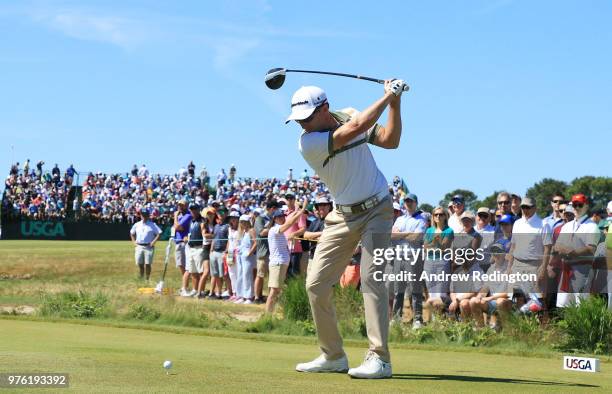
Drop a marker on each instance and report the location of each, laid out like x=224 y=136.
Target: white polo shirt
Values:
x=351 y=176
x=529 y=236
x=145 y=232
x=579 y=233
x=455 y=223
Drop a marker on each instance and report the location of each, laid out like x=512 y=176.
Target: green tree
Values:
x=598 y=189
x=426 y=207
x=543 y=191
x=469 y=196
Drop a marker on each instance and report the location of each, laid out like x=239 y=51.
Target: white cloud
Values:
x=89 y=26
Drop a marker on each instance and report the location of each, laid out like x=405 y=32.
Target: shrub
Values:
x=143 y=312
x=79 y=305
x=587 y=327
x=294 y=300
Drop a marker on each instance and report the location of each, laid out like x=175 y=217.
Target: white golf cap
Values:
x=245 y=218
x=234 y=214
x=304 y=101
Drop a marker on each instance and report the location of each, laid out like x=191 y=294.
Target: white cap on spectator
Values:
x=609 y=207
x=245 y=218
x=396 y=206
x=234 y=214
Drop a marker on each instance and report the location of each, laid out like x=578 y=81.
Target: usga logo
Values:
x=581 y=364
x=45 y=229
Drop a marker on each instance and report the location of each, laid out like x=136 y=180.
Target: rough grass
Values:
x=97 y=280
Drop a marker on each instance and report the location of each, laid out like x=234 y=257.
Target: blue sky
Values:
x=503 y=93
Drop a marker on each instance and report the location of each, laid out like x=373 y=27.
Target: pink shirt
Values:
x=300 y=224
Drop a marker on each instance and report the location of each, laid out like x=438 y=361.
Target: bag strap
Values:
x=342 y=118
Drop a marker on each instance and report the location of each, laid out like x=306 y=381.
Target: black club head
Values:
x=275 y=78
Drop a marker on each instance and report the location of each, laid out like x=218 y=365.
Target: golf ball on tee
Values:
x=167 y=364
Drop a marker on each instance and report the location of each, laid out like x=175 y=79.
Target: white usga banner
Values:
x=581 y=364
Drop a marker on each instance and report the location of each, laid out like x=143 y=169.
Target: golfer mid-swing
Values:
x=335 y=145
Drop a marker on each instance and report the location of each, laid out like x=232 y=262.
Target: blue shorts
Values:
x=492 y=306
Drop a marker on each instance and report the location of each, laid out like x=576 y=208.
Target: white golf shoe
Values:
x=321 y=364
x=372 y=368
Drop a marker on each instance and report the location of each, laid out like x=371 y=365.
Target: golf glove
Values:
x=396 y=87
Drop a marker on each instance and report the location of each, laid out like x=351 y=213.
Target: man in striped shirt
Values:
x=279 y=251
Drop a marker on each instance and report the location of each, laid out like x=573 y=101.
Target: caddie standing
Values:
x=144 y=234
x=335 y=145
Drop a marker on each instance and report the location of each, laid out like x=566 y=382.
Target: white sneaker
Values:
x=247 y=302
x=184 y=293
x=321 y=364
x=225 y=294
x=417 y=325
x=372 y=368
x=192 y=293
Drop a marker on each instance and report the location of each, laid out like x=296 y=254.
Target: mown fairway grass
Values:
x=107 y=359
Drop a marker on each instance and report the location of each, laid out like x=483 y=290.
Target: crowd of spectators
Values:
x=31 y=192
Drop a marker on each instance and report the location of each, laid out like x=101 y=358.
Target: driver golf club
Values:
x=276 y=77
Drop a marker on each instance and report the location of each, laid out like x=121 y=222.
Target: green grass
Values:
x=92 y=323
x=109 y=359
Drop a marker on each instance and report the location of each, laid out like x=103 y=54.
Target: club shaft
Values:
x=338 y=74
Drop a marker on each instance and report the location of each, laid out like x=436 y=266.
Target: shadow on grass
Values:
x=486 y=379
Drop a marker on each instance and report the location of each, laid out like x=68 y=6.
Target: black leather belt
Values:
x=149 y=244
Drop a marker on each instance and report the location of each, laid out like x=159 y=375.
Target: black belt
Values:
x=195 y=245
x=149 y=244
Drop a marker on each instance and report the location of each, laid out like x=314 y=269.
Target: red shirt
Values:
x=297 y=226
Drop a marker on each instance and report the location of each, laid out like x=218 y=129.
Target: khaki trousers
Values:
x=340 y=236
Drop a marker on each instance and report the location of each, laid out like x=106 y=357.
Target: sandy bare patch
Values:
x=17 y=310
x=248 y=317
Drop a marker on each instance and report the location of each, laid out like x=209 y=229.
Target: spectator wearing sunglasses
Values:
x=576 y=245
x=458 y=206
x=504 y=200
x=555 y=264
x=555 y=219
x=529 y=254
x=438 y=238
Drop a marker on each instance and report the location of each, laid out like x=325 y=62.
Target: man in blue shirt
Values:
x=182 y=220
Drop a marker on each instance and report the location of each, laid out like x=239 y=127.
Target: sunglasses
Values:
x=525 y=207
x=505 y=202
x=577 y=204
x=439 y=214
x=483 y=215
x=561 y=210
x=557 y=201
